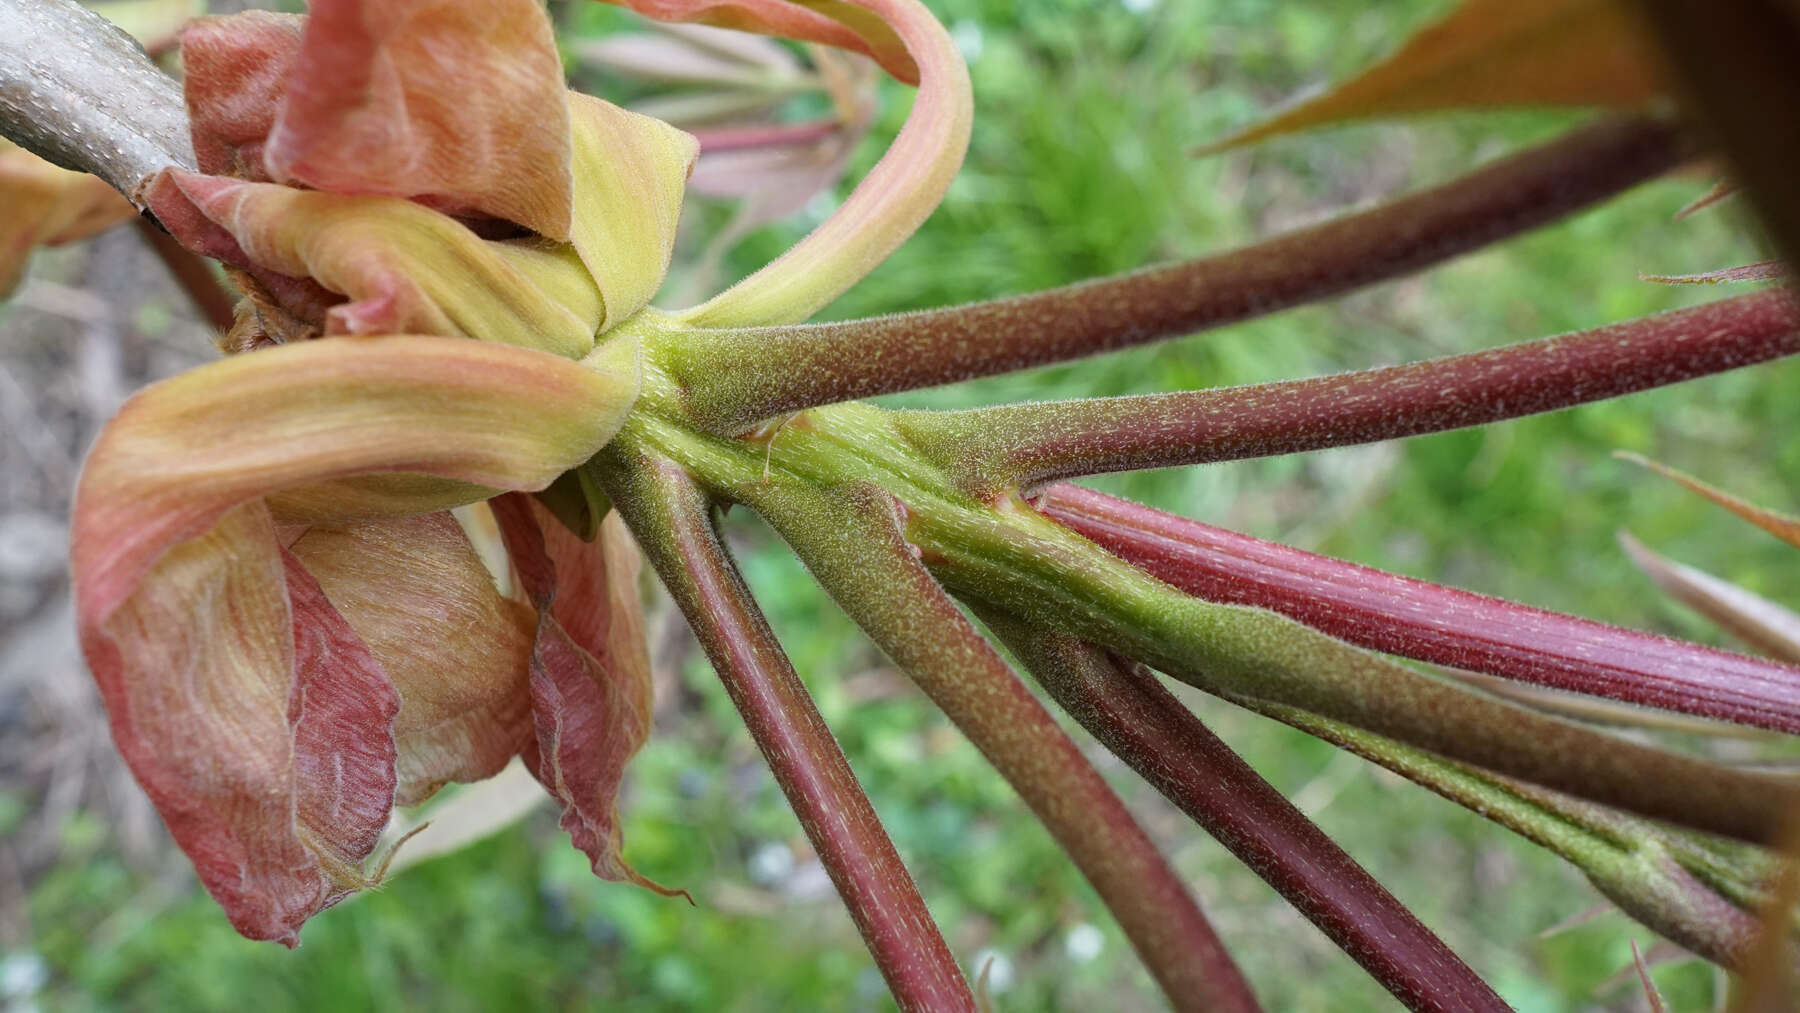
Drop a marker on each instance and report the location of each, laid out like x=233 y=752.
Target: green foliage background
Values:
x=1081 y=165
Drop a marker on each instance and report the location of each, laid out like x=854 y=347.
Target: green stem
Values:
x=1006 y=553
x=1634 y=864
x=852 y=545
x=845 y=486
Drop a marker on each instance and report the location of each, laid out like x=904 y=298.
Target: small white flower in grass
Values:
x=1083 y=943
x=22 y=975
x=968 y=38
x=771 y=863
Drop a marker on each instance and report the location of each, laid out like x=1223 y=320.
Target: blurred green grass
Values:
x=1080 y=165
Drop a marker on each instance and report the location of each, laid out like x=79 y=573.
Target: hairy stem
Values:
x=736 y=378
x=1003 y=552
x=1128 y=710
x=991 y=449
x=79 y=92
x=1047 y=576
x=851 y=544
x=1416 y=619
x=670 y=518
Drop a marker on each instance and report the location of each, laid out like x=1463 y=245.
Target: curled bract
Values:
x=903 y=188
x=291 y=632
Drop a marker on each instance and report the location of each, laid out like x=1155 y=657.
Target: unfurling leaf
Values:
x=316 y=667
x=381 y=98
x=630 y=171
x=590 y=672
x=1492 y=53
x=291 y=632
x=416 y=593
x=902 y=189
x=731 y=90
x=405 y=268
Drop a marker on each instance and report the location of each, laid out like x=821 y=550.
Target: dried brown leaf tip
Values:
x=1783 y=526
x=1720 y=191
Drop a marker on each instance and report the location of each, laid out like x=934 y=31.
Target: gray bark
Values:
x=81 y=93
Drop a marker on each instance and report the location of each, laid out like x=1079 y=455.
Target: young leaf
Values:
x=416 y=99
x=1490 y=53
x=47 y=205
x=590 y=672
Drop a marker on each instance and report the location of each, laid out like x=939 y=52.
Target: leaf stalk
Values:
x=1429 y=622
x=850 y=541
x=735 y=378
x=1014 y=446
x=1128 y=710
x=671 y=520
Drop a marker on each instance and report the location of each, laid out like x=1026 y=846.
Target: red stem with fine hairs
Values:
x=671 y=519
x=1124 y=706
x=1020 y=445
x=1416 y=619
x=730 y=387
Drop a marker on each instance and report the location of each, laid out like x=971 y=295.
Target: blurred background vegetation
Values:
x=1087 y=111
